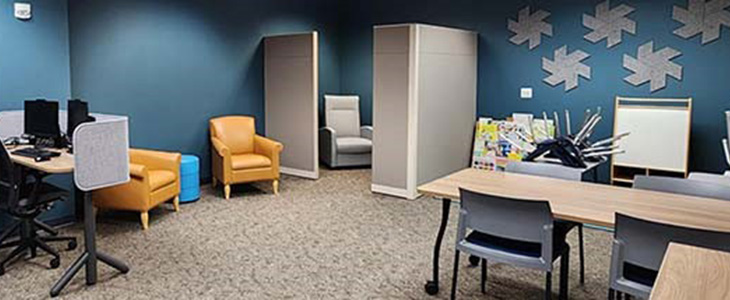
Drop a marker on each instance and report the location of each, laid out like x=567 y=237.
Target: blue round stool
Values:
x=189 y=179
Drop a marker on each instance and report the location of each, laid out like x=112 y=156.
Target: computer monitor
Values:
x=78 y=112
x=41 y=119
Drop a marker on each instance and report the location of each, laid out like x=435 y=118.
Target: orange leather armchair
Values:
x=240 y=156
x=155 y=179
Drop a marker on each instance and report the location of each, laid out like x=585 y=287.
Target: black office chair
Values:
x=24 y=202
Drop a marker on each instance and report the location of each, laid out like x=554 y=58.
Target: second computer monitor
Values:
x=78 y=112
x=41 y=119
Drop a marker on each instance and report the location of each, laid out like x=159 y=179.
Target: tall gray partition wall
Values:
x=291 y=90
x=424 y=105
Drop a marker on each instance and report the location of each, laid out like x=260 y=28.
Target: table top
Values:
x=588 y=202
x=57 y=165
x=690 y=272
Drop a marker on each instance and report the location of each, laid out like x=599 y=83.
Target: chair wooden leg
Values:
x=275 y=185
x=176 y=203
x=227 y=191
x=145 y=218
x=213 y=183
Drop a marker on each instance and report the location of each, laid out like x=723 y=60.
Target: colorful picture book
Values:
x=496 y=142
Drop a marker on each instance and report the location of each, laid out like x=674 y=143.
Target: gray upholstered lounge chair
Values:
x=343 y=142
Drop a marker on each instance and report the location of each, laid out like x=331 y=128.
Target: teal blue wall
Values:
x=173 y=65
x=34 y=63
x=34 y=54
x=504 y=67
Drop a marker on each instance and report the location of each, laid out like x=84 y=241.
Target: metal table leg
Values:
x=432 y=286
x=90 y=256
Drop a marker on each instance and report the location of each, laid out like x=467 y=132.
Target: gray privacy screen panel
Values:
x=12 y=122
x=101 y=154
x=290 y=75
x=447 y=91
x=390 y=106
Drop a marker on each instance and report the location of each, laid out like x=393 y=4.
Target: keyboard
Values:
x=37 y=154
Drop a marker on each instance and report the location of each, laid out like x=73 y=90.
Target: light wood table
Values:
x=580 y=202
x=690 y=272
x=57 y=165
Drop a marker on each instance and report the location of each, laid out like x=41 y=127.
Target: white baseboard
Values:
x=299 y=173
x=392 y=191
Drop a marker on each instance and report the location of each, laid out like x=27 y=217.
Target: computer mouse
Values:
x=42 y=158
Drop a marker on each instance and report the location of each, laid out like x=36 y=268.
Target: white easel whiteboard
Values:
x=660 y=133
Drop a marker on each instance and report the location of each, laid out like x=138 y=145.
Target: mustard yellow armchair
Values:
x=155 y=179
x=240 y=156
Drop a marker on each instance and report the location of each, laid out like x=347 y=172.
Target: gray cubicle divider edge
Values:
x=101 y=143
x=11 y=121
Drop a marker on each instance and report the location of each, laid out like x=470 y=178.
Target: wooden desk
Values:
x=578 y=201
x=690 y=272
x=57 y=165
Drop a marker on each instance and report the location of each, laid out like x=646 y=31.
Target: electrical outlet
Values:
x=526 y=93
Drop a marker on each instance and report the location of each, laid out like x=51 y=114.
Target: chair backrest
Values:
x=689 y=187
x=643 y=242
x=9 y=190
x=523 y=220
x=101 y=154
x=236 y=132
x=545 y=170
x=342 y=113
x=711 y=178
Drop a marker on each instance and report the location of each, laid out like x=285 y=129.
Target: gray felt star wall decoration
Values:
x=566 y=68
x=653 y=67
x=530 y=27
x=705 y=17
x=609 y=23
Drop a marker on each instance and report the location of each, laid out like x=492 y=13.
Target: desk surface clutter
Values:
x=57 y=165
x=690 y=272
x=587 y=202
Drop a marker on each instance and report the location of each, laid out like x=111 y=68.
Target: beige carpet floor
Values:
x=325 y=239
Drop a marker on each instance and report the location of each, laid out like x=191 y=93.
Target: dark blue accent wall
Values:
x=172 y=65
x=504 y=67
x=34 y=63
x=34 y=54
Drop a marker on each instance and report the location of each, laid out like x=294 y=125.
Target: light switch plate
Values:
x=22 y=11
x=526 y=93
